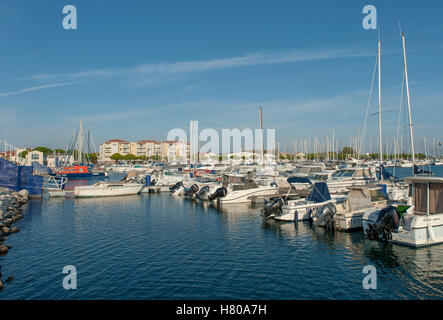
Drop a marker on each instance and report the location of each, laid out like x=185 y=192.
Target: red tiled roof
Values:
x=117 y=140
x=147 y=141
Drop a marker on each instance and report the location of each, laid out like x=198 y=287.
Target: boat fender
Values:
x=431 y=232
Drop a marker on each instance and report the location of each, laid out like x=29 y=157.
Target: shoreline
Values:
x=11 y=203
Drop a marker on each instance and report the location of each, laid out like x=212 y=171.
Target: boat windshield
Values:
x=347 y=173
x=318 y=177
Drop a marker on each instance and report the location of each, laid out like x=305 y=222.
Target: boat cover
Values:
x=359 y=198
x=384 y=174
x=319 y=193
x=299 y=180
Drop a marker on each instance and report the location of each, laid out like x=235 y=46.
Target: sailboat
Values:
x=79 y=169
x=419 y=223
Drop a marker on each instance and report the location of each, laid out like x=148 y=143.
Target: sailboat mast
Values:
x=409 y=101
x=80 y=142
x=261 y=135
x=379 y=100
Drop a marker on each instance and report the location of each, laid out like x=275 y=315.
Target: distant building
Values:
x=148 y=148
x=151 y=149
x=110 y=147
x=36 y=157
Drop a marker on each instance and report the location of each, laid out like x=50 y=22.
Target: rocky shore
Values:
x=10 y=212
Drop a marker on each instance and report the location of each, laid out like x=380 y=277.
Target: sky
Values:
x=136 y=69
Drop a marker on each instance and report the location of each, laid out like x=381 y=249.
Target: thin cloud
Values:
x=158 y=70
x=36 y=88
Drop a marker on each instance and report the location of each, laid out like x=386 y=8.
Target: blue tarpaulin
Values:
x=19 y=177
x=41 y=168
x=319 y=193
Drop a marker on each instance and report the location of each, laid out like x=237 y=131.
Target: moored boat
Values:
x=107 y=189
x=420 y=223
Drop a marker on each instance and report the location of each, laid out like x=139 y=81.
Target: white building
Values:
x=36 y=157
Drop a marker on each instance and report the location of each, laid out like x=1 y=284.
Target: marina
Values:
x=128 y=236
x=221 y=156
x=125 y=249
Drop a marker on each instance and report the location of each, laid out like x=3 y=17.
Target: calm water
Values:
x=154 y=246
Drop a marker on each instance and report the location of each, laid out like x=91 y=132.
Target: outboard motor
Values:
x=203 y=194
x=189 y=192
x=325 y=215
x=176 y=186
x=273 y=208
x=387 y=221
x=219 y=193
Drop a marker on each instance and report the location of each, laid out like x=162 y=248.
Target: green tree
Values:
x=23 y=154
x=45 y=150
x=117 y=157
x=92 y=157
x=130 y=157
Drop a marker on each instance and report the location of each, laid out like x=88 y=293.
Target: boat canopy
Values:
x=359 y=198
x=384 y=174
x=299 y=180
x=320 y=193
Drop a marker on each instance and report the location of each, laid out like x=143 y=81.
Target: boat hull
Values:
x=244 y=196
x=106 y=190
x=83 y=176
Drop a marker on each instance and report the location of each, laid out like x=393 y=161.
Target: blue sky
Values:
x=135 y=69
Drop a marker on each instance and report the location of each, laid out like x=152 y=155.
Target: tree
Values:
x=23 y=154
x=45 y=150
x=130 y=157
x=117 y=157
x=92 y=157
x=346 y=151
x=60 y=151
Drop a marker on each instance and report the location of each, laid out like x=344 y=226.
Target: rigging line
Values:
x=367 y=108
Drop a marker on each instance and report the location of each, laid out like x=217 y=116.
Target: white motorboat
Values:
x=351 y=177
x=107 y=189
x=298 y=210
x=420 y=223
x=349 y=215
x=242 y=190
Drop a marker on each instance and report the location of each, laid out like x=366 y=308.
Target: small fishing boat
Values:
x=107 y=189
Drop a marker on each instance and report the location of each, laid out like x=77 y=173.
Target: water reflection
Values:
x=237 y=211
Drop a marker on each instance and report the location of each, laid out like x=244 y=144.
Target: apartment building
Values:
x=110 y=147
x=147 y=148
